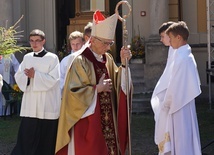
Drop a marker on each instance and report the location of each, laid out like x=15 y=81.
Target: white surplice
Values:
x=41 y=98
x=63 y=68
x=157 y=101
x=173 y=103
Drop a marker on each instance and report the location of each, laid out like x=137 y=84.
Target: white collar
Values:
x=97 y=56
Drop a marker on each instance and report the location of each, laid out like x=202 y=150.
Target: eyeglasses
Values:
x=35 y=41
x=105 y=42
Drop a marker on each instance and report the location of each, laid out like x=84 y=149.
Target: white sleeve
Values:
x=62 y=73
x=91 y=108
x=20 y=77
x=123 y=79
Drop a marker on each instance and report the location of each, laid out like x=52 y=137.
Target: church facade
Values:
x=57 y=18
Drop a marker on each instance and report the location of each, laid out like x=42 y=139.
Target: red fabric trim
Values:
x=122 y=123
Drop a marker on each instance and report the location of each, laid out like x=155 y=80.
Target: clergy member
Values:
x=38 y=77
x=93 y=117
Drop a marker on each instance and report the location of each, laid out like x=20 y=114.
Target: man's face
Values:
x=36 y=43
x=76 y=44
x=174 y=40
x=165 y=39
x=101 y=46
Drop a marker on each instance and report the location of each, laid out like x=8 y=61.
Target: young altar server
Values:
x=38 y=77
x=76 y=42
x=176 y=126
x=163 y=82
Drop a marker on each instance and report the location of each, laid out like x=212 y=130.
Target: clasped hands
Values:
x=29 y=72
x=104 y=85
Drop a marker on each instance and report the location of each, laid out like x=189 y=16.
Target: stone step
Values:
x=141 y=106
x=142 y=95
x=141 y=102
x=136 y=66
x=137 y=70
x=141 y=98
x=137 y=78
x=139 y=87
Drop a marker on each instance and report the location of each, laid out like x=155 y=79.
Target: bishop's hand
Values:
x=104 y=85
x=125 y=53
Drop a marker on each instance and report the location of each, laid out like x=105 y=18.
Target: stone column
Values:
x=156 y=52
x=159 y=13
x=6 y=17
x=44 y=18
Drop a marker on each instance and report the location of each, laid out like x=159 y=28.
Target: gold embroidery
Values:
x=100 y=71
x=107 y=123
x=161 y=144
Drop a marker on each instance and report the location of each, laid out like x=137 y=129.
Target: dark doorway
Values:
x=119 y=39
x=65 y=9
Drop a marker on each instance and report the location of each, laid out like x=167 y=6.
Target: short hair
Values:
x=165 y=26
x=179 y=28
x=75 y=35
x=87 y=29
x=37 y=32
